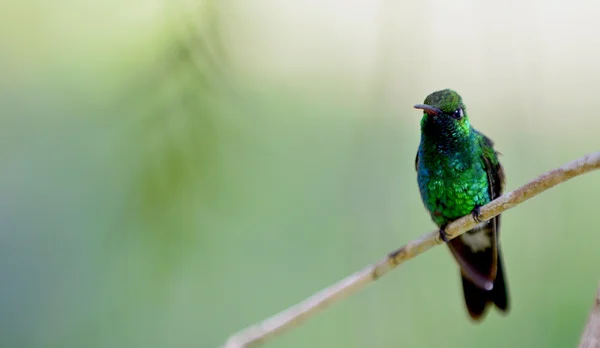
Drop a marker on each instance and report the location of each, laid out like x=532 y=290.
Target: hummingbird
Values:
x=458 y=172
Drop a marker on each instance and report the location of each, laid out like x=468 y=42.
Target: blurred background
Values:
x=172 y=172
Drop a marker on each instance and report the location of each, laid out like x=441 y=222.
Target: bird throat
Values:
x=444 y=136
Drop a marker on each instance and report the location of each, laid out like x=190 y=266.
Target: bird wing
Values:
x=494 y=169
x=417 y=161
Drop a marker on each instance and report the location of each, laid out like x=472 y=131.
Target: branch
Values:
x=295 y=315
x=591 y=334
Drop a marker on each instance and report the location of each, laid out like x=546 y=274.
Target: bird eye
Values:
x=458 y=114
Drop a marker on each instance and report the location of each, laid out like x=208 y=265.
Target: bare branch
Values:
x=295 y=315
x=591 y=334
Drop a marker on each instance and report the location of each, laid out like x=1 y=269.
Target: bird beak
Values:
x=430 y=110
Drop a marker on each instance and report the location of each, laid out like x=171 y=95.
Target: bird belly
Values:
x=448 y=199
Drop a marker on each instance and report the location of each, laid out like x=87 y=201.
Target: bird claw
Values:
x=476 y=213
x=444 y=235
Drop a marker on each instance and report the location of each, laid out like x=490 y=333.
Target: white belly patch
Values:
x=478 y=240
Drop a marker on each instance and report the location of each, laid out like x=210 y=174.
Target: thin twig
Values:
x=295 y=315
x=591 y=334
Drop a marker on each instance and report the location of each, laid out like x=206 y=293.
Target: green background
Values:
x=175 y=171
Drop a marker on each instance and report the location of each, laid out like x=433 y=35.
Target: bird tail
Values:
x=478 y=299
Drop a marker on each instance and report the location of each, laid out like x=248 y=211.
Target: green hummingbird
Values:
x=458 y=172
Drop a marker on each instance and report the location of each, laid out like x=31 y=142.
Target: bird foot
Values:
x=476 y=213
x=444 y=235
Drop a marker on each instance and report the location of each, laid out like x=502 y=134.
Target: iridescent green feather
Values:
x=452 y=171
x=458 y=171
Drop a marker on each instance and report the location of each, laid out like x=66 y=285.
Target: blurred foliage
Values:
x=171 y=114
x=173 y=172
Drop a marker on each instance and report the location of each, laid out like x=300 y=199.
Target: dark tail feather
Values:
x=500 y=290
x=477 y=299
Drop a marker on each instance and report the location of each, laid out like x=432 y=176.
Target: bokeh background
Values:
x=172 y=172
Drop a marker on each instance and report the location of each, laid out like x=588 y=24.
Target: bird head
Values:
x=444 y=115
